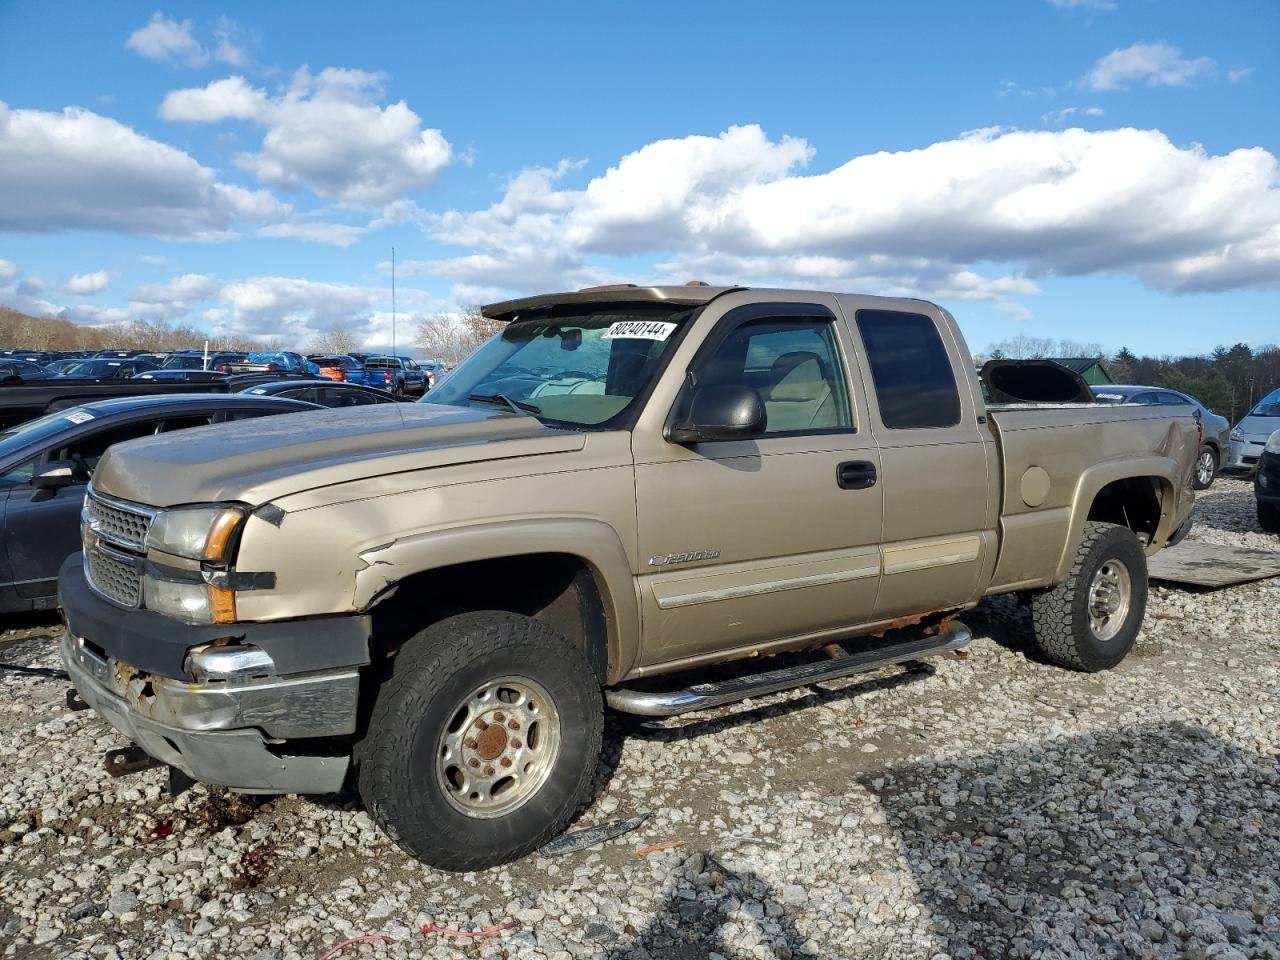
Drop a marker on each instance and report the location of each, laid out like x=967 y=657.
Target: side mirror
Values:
x=58 y=473
x=720 y=413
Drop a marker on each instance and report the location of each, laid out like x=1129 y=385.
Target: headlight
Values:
x=1237 y=434
x=197 y=533
x=1273 y=443
x=191 y=600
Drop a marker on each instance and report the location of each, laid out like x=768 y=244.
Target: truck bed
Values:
x=1053 y=454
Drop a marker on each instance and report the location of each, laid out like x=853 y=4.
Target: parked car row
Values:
x=398 y=375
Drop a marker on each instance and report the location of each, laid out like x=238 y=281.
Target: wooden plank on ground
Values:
x=1212 y=565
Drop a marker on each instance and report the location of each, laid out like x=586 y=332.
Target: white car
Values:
x=1250 y=436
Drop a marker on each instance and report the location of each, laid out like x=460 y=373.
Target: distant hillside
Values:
x=21 y=330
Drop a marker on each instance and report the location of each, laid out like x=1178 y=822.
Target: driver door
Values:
x=760 y=543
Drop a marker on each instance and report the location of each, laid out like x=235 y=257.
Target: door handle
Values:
x=856 y=475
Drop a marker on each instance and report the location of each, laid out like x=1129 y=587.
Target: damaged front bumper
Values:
x=241 y=723
x=222 y=732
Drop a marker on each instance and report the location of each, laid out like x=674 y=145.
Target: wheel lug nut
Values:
x=488 y=771
x=512 y=725
x=516 y=744
x=505 y=761
x=499 y=716
x=482 y=725
x=473 y=762
x=470 y=743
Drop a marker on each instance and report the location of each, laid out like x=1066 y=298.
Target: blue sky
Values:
x=1084 y=169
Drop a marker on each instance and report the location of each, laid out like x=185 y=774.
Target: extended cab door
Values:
x=744 y=543
x=939 y=464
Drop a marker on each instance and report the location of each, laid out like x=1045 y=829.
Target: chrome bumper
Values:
x=226 y=732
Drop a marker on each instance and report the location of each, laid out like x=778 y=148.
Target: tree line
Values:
x=443 y=336
x=1229 y=380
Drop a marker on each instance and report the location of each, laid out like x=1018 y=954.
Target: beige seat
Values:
x=800 y=398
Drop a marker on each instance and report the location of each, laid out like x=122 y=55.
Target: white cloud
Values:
x=180 y=290
x=174 y=41
x=86 y=284
x=922 y=221
x=1058 y=118
x=8 y=270
x=1238 y=74
x=78 y=170
x=293 y=308
x=1154 y=64
x=326 y=132
x=229 y=98
x=330 y=234
x=1083 y=4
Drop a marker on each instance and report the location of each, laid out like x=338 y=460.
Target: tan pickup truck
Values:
x=440 y=599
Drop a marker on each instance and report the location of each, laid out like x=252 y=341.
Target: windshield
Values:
x=581 y=369
x=266 y=358
x=183 y=361
x=32 y=432
x=1269 y=406
x=93 y=368
x=1111 y=397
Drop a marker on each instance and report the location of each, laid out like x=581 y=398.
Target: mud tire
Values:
x=1268 y=517
x=1060 y=615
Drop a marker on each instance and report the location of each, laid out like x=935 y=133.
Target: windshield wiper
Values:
x=517 y=406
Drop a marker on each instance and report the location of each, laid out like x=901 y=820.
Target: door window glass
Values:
x=330 y=397
x=915 y=385
x=793 y=365
x=86 y=451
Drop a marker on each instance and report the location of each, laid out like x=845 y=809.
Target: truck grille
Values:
x=117 y=523
x=115 y=536
x=112 y=577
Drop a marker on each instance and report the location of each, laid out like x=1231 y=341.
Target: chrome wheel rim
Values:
x=498 y=748
x=1204 y=468
x=1109 y=598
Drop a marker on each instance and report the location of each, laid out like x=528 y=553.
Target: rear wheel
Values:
x=1206 y=468
x=483 y=743
x=1269 y=517
x=1090 y=621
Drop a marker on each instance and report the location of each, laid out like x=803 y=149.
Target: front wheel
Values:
x=1090 y=621
x=483 y=743
x=1206 y=468
x=1268 y=517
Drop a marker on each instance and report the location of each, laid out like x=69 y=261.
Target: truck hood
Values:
x=256 y=461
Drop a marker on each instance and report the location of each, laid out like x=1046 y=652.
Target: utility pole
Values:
x=393 y=302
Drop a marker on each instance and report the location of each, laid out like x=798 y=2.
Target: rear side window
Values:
x=915 y=385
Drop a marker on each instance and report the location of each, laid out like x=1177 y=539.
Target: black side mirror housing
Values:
x=720 y=413
x=57 y=474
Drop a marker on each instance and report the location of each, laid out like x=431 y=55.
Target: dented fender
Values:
x=592 y=541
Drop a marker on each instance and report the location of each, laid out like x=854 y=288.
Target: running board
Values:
x=661 y=703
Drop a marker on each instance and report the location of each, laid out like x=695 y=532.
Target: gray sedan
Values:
x=1217 y=430
x=1250 y=436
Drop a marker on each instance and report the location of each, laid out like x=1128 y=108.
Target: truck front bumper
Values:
x=267 y=733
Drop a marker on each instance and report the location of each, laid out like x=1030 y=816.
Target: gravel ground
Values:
x=985 y=805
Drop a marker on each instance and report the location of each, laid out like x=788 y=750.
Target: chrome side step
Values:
x=705 y=695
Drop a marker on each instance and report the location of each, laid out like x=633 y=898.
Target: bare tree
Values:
x=451 y=336
x=339 y=338
x=1024 y=347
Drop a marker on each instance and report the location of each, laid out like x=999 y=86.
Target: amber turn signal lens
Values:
x=222 y=605
x=224 y=526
